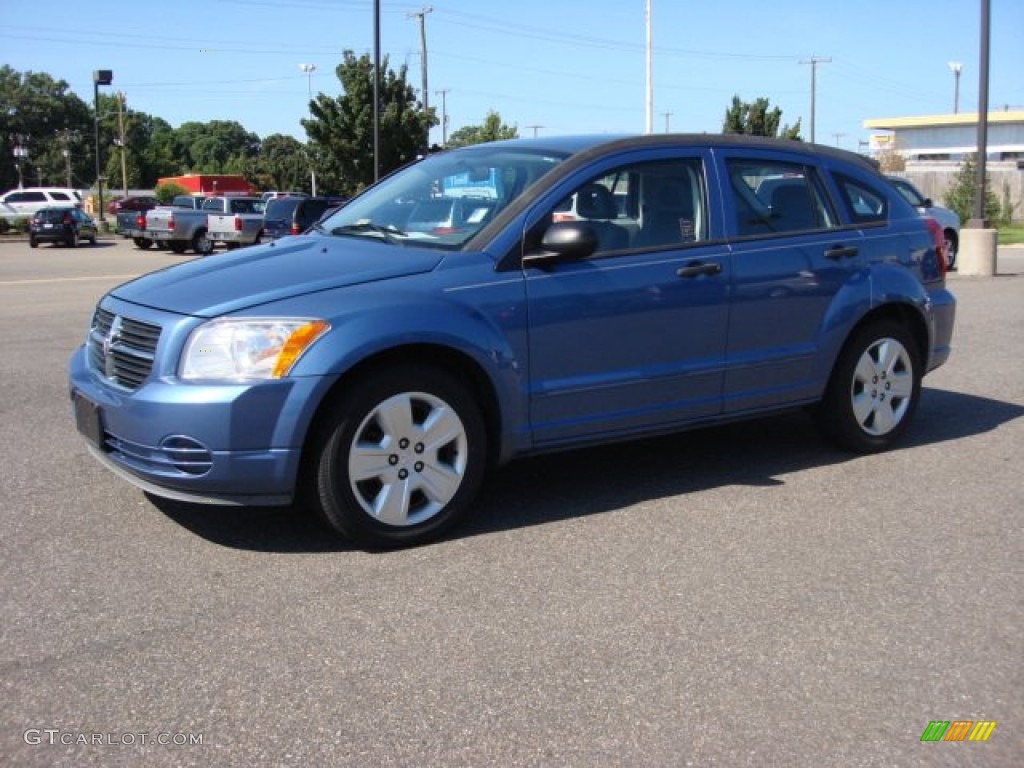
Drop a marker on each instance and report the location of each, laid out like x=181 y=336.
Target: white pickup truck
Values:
x=241 y=224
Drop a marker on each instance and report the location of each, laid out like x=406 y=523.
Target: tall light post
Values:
x=956 y=68
x=99 y=77
x=20 y=153
x=309 y=69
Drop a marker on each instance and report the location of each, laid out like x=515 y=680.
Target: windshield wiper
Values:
x=391 y=233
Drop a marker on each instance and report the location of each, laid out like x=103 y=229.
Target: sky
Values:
x=549 y=68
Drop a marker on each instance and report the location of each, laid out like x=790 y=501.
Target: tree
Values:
x=755 y=119
x=283 y=163
x=341 y=129
x=219 y=146
x=960 y=195
x=44 y=118
x=491 y=130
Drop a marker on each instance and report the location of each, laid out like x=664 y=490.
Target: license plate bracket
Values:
x=88 y=419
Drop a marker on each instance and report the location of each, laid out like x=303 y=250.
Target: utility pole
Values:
x=667 y=115
x=535 y=128
x=649 y=121
x=120 y=126
x=443 y=93
x=814 y=61
x=376 y=90
x=837 y=137
x=422 y=16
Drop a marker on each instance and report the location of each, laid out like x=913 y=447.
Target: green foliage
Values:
x=756 y=119
x=341 y=129
x=491 y=130
x=960 y=195
x=283 y=164
x=41 y=115
x=167 y=192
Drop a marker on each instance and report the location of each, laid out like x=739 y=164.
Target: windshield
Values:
x=444 y=200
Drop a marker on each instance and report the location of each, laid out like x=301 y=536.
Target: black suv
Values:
x=63 y=224
x=294 y=215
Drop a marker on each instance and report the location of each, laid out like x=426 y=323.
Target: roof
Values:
x=940 y=121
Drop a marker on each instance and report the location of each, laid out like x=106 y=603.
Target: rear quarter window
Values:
x=864 y=203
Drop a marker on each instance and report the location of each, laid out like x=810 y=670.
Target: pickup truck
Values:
x=242 y=224
x=131 y=223
x=183 y=228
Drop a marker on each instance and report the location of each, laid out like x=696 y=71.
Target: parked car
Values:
x=65 y=225
x=293 y=215
x=241 y=223
x=135 y=203
x=376 y=372
x=270 y=195
x=948 y=220
x=25 y=202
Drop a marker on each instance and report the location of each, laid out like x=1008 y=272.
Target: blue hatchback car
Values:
x=375 y=369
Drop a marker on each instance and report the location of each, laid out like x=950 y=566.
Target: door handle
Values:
x=698 y=268
x=841 y=252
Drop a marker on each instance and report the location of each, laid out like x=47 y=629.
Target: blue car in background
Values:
x=376 y=367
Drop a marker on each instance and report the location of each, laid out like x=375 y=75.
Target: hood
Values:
x=223 y=283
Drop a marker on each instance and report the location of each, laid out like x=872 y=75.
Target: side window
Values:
x=62 y=196
x=646 y=205
x=864 y=204
x=772 y=197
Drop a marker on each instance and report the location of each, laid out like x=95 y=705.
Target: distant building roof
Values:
x=954 y=136
x=941 y=121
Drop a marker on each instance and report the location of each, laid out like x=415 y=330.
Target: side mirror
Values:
x=564 y=241
x=928 y=203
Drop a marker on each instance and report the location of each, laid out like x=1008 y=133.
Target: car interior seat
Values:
x=668 y=215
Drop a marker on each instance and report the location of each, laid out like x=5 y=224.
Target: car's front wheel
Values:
x=202 y=244
x=874 y=389
x=399 y=457
x=143 y=243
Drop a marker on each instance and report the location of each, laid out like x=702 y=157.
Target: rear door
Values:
x=791 y=257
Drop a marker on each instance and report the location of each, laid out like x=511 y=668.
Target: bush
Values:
x=167 y=192
x=960 y=195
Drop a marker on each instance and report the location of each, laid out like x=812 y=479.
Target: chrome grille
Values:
x=121 y=349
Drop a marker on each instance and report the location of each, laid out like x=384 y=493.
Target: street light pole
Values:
x=99 y=77
x=20 y=153
x=956 y=68
x=309 y=69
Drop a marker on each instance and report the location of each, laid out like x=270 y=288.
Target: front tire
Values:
x=399 y=458
x=874 y=389
x=143 y=243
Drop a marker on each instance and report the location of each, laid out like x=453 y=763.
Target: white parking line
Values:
x=68 y=279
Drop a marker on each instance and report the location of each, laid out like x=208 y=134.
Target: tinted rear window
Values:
x=52 y=214
x=282 y=207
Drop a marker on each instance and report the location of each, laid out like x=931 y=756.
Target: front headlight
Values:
x=255 y=348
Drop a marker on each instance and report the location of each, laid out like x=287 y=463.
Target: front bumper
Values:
x=218 y=444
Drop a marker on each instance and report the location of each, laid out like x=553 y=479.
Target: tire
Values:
x=33 y=243
x=143 y=243
x=72 y=240
x=259 y=238
x=177 y=247
x=952 y=245
x=201 y=244
x=874 y=389
x=160 y=246
x=399 y=458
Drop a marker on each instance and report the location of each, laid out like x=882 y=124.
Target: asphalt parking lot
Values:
x=742 y=596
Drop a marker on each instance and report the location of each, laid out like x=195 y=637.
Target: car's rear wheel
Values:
x=399 y=457
x=33 y=243
x=142 y=242
x=874 y=389
x=202 y=244
x=177 y=247
x=72 y=239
